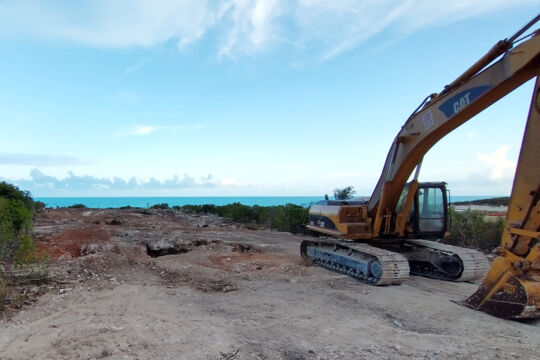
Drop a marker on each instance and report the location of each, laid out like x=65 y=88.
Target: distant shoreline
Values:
x=147 y=202
x=498 y=201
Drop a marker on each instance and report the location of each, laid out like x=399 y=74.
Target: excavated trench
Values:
x=165 y=251
x=161 y=249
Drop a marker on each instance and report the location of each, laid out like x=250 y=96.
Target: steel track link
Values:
x=394 y=267
x=475 y=263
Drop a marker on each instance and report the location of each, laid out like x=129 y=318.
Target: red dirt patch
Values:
x=67 y=244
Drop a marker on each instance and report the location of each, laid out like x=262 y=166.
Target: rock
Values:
x=160 y=245
x=95 y=248
x=114 y=221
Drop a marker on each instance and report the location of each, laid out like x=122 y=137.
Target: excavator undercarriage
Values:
x=391 y=265
x=389 y=259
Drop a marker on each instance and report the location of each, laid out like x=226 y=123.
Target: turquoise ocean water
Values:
x=144 y=202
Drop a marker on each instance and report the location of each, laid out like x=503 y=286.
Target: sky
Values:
x=244 y=97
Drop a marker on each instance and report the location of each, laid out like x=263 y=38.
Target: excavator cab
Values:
x=429 y=213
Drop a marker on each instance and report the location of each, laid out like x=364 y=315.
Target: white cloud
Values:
x=149 y=129
x=72 y=184
x=39 y=181
x=253 y=25
x=133 y=68
x=243 y=26
x=343 y=24
x=142 y=130
x=228 y=182
x=499 y=166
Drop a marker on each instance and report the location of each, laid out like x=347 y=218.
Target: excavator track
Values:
x=363 y=262
x=447 y=262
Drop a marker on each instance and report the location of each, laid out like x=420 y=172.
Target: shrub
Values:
x=26 y=251
x=12 y=192
x=77 y=206
x=15 y=223
x=345 y=193
x=16 y=212
x=39 y=206
x=163 y=206
x=17 y=249
x=4 y=292
x=470 y=230
x=238 y=212
x=290 y=217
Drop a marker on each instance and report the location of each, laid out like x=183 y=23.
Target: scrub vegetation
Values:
x=471 y=229
x=498 y=201
x=287 y=217
x=345 y=193
x=468 y=229
x=20 y=261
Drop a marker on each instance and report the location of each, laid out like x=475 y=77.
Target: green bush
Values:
x=16 y=212
x=345 y=193
x=26 y=251
x=12 y=192
x=163 y=206
x=39 y=206
x=289 y=217
x=4 y=292
x=20 y=261
x=238 y=212
x=470 y=230
x=15 y=223
x=77 y=206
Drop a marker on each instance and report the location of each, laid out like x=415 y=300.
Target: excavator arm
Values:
x=478 y=88
x=511 y=288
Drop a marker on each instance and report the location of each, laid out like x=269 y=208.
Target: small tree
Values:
x=345 y=193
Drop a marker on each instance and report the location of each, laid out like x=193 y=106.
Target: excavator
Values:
x=385 y=238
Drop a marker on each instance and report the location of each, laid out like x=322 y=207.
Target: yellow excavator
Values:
x=389 y=236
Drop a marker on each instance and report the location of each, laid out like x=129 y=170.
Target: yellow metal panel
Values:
x=524 y=207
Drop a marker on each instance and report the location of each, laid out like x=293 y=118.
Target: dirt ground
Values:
x=225 y=291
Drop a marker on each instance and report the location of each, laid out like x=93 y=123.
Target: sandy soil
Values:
x=231 y=292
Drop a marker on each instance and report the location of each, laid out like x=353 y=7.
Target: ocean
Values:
x=145 y=202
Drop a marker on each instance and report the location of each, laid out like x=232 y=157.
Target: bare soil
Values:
x=225 y=291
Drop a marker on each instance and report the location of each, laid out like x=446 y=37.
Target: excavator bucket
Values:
x=505 y=294
x=511 y=288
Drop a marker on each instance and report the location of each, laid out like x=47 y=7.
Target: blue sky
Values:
x=244 y=97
